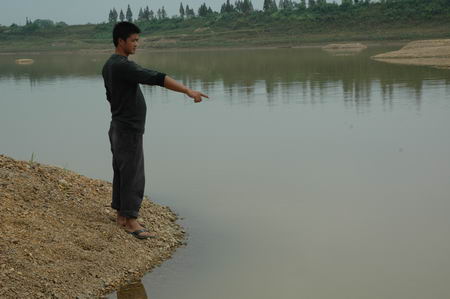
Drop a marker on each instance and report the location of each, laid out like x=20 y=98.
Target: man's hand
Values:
x=171 y=84
x=196 y=95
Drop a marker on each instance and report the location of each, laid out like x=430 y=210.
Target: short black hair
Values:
x=123 y=30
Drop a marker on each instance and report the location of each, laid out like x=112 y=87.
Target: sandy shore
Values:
x=58 y=238
x=434 y=53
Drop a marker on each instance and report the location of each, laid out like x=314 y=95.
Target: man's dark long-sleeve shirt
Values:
x=122 y=78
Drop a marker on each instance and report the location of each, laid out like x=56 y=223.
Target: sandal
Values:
x=136 y=233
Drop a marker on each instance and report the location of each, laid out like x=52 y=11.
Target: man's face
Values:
x=129 y=46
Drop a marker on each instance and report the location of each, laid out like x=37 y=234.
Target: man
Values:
x=122 y=78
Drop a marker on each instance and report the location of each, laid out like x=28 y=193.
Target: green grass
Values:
x=255 y=30
x=32 y=159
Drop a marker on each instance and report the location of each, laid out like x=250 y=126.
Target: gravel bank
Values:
x=435 y=53
x=58 y=240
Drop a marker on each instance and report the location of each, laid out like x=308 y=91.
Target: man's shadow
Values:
x=135 y=290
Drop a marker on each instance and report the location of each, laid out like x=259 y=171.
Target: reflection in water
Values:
x=293 y=75
x=135 y=290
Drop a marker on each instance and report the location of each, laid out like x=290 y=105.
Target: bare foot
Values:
x=132 y=225
x=121 y=220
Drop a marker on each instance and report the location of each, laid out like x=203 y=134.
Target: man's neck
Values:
x=121 y=52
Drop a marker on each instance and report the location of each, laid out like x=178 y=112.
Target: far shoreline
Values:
x=108 y=50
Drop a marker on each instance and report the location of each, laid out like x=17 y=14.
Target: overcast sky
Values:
x=91 y=11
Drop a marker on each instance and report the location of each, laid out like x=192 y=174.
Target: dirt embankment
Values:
x=435 y=53
x=58 y=240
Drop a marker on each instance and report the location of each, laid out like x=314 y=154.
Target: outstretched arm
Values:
x=171 y=84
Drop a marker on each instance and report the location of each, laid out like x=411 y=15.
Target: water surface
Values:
x=306 y=175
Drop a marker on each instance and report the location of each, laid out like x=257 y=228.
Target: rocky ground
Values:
x=434 y=53
x=58 y=238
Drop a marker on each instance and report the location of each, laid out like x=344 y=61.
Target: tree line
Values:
x=245 y=7
x=144 y=15
x=300 y=15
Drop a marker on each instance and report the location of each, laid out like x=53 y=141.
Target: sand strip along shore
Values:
x=345 y=46
x=58 y=240
x=434 y=53
x=344 y=49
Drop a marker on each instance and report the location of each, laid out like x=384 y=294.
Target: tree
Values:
x=110 y=17
x=290 y=4
x=141 y=14
x=158 y=13
x=190 y=13
x=286 y=5
x=302 y=5
x=203 y=10
x=312 y=3
x=267 y=6
x=129 y=14
x=248 y=6
x=163 y=13
x=146 y=14
x=244 y=6
x=114 y=15
x=43 y=23
x=121 y=16
x=270 y=5
x=346 y=3
x=321 y=3
x=181 y=11
x=227 y=7
x=274 y=5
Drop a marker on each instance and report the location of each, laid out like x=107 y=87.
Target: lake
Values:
x=305 y=175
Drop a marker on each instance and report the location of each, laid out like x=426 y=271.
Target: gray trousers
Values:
x=128 y=166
